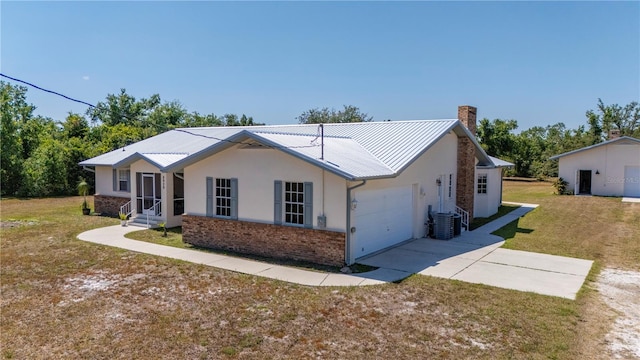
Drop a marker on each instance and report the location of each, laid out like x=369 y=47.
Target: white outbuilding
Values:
x=610 y=168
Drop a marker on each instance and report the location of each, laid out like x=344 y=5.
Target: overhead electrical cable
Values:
x=181 y=130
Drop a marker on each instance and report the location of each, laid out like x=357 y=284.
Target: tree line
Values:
x=40 y=155
x=530 y=149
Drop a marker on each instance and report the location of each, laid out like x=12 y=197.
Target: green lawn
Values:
x=502 y=210
x=64 y=298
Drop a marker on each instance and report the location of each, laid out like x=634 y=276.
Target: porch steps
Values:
x=141 y=221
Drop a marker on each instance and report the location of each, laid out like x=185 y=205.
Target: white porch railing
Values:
x=127 y=209
x=155 y=210
x=465 y=217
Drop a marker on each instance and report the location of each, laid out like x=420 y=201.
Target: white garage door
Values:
x=383 y=218
x=632 y=181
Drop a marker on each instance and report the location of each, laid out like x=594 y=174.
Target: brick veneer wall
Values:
x=277 y=241
x=109 y=205
x=465 y=181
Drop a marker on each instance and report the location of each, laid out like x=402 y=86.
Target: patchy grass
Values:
x=102 y=302
x=64 y=298
x=502 y=210
x=588 y=227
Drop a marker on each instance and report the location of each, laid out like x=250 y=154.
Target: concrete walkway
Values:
x=474 y=257
x=114 y=236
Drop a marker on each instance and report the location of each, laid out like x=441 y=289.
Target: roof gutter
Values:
x=347 y=250
x=85 y=167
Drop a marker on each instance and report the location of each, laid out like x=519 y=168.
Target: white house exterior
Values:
x=610 y=168
x=328 y=194
x=488 y=187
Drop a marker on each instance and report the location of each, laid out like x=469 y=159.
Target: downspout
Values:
x=347 y=255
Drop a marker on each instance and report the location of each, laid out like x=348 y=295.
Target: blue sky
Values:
x=537 y=62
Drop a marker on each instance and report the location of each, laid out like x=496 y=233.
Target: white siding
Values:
x=609 y=160
x=439 y=161
x=256 y=171
x=104 y=183
x=485 y=205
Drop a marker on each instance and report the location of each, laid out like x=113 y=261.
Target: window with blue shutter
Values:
x=114 y=174
x=308 y=205
x=234 y=199
x=277 y=202
x=209 y=196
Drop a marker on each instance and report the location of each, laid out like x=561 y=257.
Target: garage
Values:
x=632 y=181
x=383 y=218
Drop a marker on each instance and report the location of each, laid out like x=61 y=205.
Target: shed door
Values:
x=632 y=181
x=383 y=218
x=585 y=182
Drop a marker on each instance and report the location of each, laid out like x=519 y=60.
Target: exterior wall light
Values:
x=597 y=172
x=354 y=204
x=438 y=181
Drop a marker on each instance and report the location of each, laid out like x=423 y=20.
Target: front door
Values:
x=585 y=182
x=148 y=193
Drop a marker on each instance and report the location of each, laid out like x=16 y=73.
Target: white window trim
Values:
x=485 y=183
x=299 y=204
x=218 y=188
x=124 y=175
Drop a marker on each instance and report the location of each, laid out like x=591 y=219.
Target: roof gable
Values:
x=623 y=140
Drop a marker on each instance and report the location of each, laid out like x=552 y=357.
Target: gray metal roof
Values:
x=622 y=140
x=351 y=150
x=500 y=163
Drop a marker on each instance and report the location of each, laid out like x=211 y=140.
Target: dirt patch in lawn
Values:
x=16 y=223
x=620 y=289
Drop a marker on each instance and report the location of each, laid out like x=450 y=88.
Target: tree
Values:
x=45 y=172
x=348 y=114
x=14 y=111
x=123 y=109
x=496 y=136
x=614 y=117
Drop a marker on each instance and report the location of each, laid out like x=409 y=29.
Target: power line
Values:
x=49 y=91
x=181 y=130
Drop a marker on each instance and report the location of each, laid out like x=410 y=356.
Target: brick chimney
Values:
x=465 y=182
x=614 y=134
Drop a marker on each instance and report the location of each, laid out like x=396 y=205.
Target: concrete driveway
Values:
x=477 y=258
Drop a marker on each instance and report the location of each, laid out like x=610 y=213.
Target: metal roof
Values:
x=624 y=140
x=500 y=163
x=351 y=150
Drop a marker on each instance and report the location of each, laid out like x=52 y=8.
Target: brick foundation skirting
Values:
x=109 y=205
x=277 y=241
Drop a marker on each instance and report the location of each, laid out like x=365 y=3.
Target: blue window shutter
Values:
x=277 y=202
x=234 y=199
x=115 y=179
x=209 y=196
x=308 y=205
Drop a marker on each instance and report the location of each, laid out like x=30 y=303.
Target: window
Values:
x=298 y=203
x=224 y=201
x=450 y=185
x=223 y=197
x=123 y=180
x=294 y=203
x=482 y=183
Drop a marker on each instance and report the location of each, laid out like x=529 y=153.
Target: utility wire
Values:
x=49 y=91
x=181 y=130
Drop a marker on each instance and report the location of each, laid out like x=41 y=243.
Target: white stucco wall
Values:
x=485 y=205
x=256 y=171
x=104 y=183
x=609 y=160
x=166 y=189
x=438 y=162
